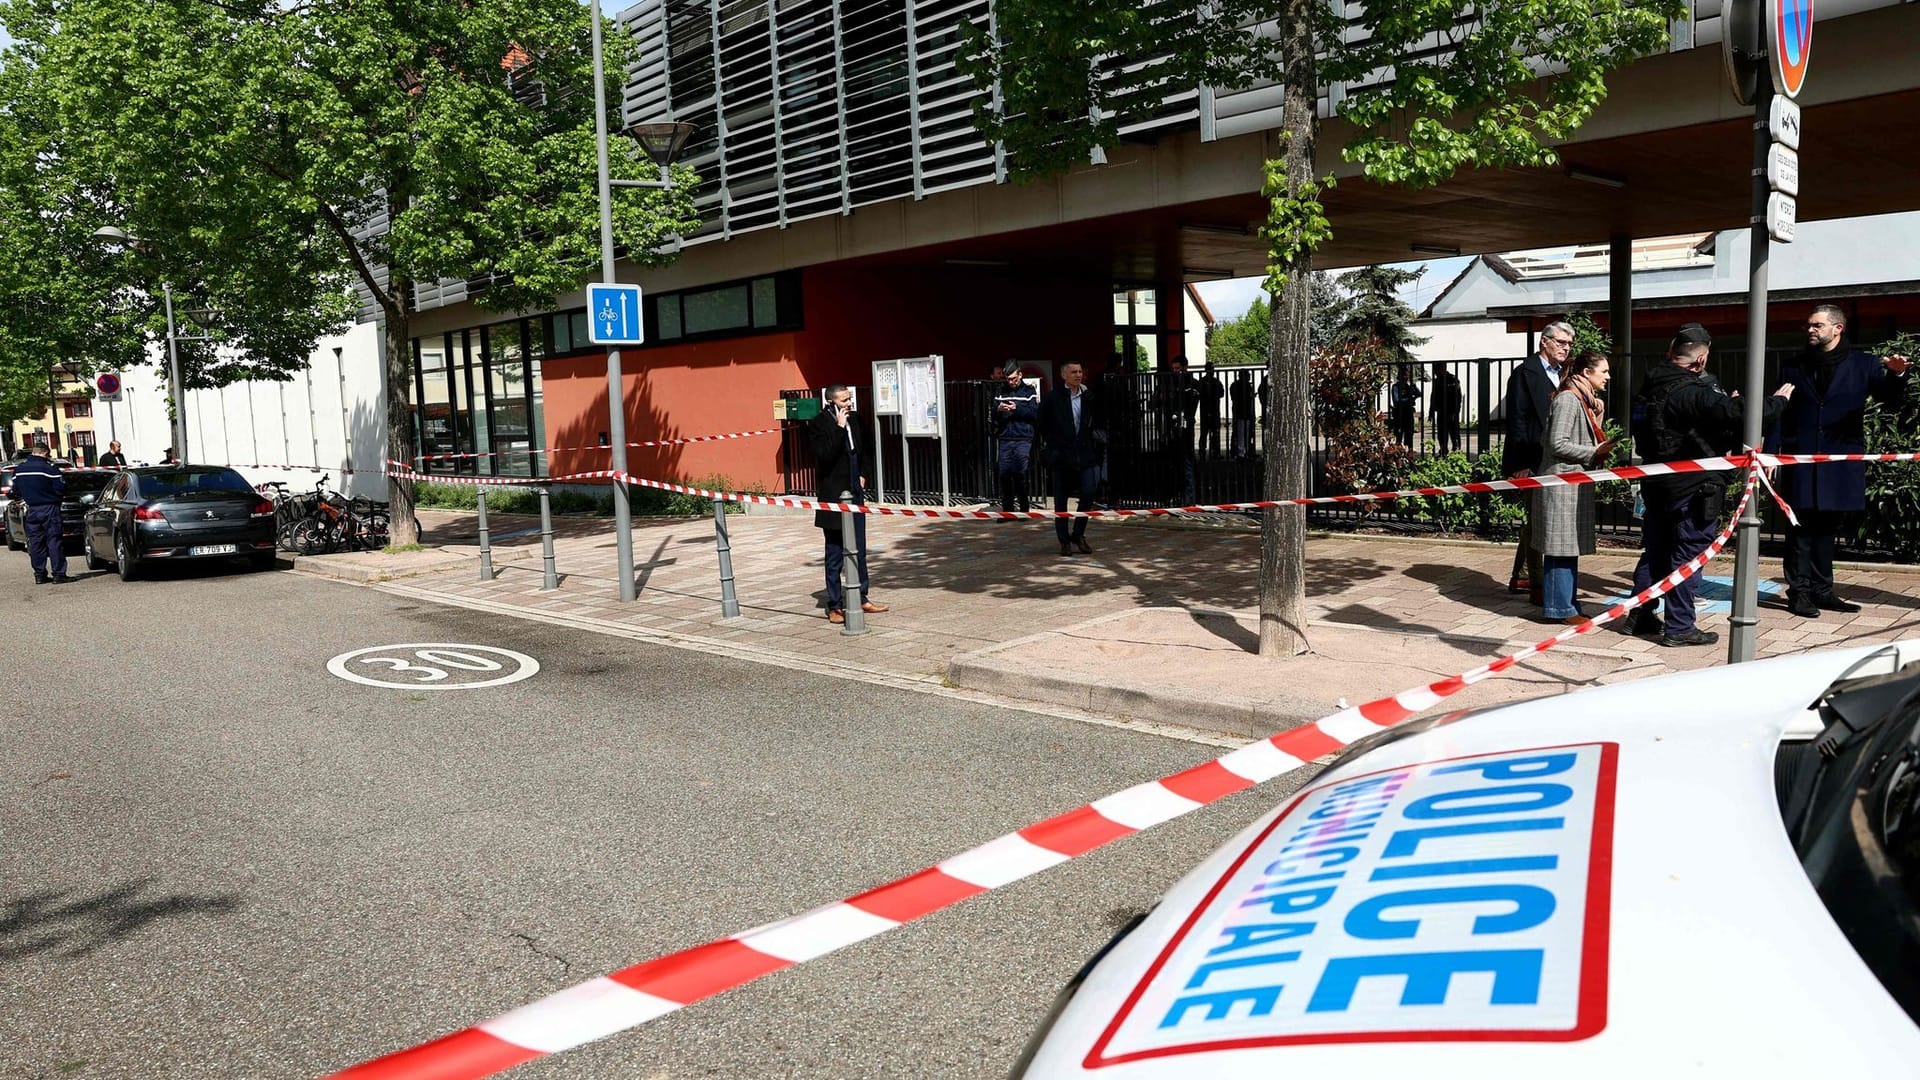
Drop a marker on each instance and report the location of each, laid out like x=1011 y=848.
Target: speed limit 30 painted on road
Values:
x=433 y=665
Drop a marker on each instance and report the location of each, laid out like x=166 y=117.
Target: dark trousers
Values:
x=1403 y=426
x=1526 y=559
x=49 y=557
x=1809 y=557
x=1068 y=480
x=1015 y=459
x=1242 y=434
x=836 y=561
x=1674 y=531
x=1446 y=433
x=1210 y=434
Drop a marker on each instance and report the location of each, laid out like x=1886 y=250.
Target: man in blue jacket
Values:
x=1016 y=411
x=38 y=483
x=1828 y=416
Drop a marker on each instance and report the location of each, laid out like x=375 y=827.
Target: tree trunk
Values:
x=1283 y=532
x=403 y=525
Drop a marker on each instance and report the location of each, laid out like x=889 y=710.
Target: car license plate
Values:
x=214 y=549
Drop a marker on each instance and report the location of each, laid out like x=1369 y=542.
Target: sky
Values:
x=1230 y=299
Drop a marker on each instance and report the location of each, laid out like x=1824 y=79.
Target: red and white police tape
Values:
x=601 y=446
x=647 y=991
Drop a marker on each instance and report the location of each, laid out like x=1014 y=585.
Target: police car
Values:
x=1712 y=874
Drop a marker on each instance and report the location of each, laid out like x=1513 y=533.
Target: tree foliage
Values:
x=1377 y=313
x=277 y=155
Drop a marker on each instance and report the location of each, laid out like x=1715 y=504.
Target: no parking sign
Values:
x=106 y=387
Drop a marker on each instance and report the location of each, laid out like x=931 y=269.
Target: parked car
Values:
x=178 y=512
x=83 y=488
x=1709 y=874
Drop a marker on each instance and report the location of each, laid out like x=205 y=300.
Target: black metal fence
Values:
x=1204 y=439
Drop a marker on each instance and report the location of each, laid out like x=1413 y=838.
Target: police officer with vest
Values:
x=1016 y=410
x=1679 y=414
x=38 y=483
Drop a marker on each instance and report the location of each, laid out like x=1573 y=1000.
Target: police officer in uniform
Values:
x=38 y=483
x=1016 y=409
x=1681 y=413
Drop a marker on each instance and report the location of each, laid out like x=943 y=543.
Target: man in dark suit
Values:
x=840 y=454
x=1827 y=415
x=1076 y=435
x=1529 y=402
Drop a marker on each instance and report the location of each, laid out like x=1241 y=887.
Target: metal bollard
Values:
x=729 y=602
x=550 y=579
x=486 y=541
x=850 y=573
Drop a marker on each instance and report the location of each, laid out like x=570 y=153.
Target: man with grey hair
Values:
x=1827 y=415
x=1528 y=403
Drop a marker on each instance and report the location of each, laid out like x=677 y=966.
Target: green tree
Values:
x=1242 y=342
x=277 y=155
x=1069 y=74
x=1377 y=313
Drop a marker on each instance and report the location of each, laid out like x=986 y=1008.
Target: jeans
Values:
x=1562 y=572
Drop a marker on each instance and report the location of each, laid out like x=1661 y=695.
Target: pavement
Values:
x=220 y=860
x=1156 y=625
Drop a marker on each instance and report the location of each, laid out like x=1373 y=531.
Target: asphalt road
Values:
x=219 y=860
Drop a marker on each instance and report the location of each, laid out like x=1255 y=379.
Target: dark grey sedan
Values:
x=83 y=487
x=177 y=513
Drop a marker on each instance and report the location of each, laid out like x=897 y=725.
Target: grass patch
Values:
x=402 y=549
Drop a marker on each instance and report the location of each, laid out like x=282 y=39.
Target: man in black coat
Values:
x=1828 y=416
x=1529 y=403
x=1076 y=436
x=1681 y=414
x=840 y=454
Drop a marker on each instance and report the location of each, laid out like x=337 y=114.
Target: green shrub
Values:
x=1893 y=487
x=1451 y=512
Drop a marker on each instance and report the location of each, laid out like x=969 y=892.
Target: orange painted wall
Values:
x=974 y=318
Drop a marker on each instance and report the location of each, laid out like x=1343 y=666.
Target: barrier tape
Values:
x=647 y=991
x=600 y=446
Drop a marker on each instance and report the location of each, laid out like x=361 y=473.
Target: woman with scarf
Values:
x=1563 y=522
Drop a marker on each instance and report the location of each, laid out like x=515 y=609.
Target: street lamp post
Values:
x=662 y=143
x=175 y=388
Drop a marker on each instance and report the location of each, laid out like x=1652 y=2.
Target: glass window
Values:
x=715 y=309
x=539 y=421
x=535 y=331
x=474 y=375
x=577 y=330
x=436 y=407
x=160 y=483
x=668 y=311
x=766 y=304
x=560 y=329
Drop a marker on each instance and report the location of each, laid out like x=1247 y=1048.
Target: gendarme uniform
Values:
x=38 y=483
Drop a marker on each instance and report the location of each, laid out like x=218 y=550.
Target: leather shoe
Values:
x=872 y=608
x=1575 y=620
x=1643 y=623
x=835 y=615
x=1066 y=549
x=1802 y=606
x=1830 y=602
x=1080 y=546
x=1519 y=585
x=65 y=580
x=1697 y=637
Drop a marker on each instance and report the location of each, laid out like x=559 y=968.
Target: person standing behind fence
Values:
x=1443 y=409
x=1678 y=415
x=1828 y=416
x=1179 y=402
x=1529 y=401
x=1240 y=396
x=1403 y=398
x=1075 y=431
x=1016 y=411
x=1212 y=390
x=1563 y=518
x=840 y=453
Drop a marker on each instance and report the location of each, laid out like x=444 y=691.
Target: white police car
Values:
x=1713 y=874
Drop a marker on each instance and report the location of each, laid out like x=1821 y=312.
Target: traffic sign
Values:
x=1741 y=47
x=613 y=315
x=1783 y=122
x=1780 y=217
x=106 y=387
x=1783 y=169
x=1790 y=43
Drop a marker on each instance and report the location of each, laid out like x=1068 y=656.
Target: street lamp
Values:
x=662 y=143
x=175 y=388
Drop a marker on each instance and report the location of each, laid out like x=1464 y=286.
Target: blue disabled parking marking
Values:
x=1716 y=595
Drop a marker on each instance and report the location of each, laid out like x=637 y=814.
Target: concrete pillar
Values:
x=1620 y=321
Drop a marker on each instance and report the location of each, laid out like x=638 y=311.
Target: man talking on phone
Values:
x=840 y=453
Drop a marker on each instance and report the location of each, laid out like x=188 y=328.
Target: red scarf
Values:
x=1590 y=402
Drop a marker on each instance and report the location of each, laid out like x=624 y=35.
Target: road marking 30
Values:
x=434 y=665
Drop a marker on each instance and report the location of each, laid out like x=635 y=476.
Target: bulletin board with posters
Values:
x=920 y=396
x=911 y=389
